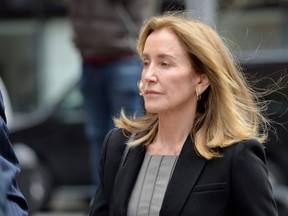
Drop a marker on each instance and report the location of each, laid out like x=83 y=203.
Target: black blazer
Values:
x=234 y=185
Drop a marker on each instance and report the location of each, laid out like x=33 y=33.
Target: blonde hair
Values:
x=227 y=112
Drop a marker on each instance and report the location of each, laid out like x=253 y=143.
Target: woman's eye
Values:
x=164 y=64
x=145 y=63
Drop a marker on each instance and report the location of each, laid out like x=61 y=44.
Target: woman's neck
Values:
x=173 y=131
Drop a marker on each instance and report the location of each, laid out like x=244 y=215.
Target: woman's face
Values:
x=168 y=77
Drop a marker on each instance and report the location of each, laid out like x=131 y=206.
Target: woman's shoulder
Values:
x=246 y=144
x=115 y=140
x=245 y=148
x=115 y=135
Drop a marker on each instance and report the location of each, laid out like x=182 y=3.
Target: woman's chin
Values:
x=151 y=109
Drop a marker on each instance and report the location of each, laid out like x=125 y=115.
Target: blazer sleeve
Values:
x=3 y=199
x=112 y=150
x=251 y=189
x=16 y=204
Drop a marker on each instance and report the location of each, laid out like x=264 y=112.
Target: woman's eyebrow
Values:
x=161 y=56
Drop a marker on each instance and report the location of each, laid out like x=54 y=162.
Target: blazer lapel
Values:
x=185 y=175
x=125 y=179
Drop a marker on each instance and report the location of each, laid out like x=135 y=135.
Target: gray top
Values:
x=149 y=190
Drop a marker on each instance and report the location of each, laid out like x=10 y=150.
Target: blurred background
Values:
x=40 y=69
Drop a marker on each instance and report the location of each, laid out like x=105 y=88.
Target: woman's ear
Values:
x=203 y=83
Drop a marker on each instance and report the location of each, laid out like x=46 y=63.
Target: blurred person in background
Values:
x=16 y=204
x=105 y=33
x=197 y=150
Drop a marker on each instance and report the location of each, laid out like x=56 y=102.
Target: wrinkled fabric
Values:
x=16 y=204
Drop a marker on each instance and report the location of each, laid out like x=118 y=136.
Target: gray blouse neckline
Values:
x=150 y=187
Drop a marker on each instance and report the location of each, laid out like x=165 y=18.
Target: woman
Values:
x=197 y=150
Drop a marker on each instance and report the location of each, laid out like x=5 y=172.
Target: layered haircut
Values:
x=228 y=111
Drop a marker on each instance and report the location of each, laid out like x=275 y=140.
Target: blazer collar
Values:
x=125 y=179
x=184 y=178
x=185 y=175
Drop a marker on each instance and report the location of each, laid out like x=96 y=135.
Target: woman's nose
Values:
x=150 y=74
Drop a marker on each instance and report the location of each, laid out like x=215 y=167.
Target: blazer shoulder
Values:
x=114 y=145
x=246 y=155
x=245 y=147
x=249 y=179
x=115 y=139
